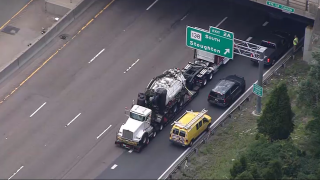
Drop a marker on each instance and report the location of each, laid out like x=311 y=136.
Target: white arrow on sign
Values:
x=227 y=51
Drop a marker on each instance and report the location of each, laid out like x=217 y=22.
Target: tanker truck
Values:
x=165 y=96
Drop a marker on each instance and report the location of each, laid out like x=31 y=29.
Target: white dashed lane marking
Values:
x=132 y=66
x=266 y=23
x=114 y=166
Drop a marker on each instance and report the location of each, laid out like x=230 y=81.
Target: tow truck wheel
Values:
x=204 y=82
x=181 y=102
x=144 y=140
x=160 y=127
x=210 y=76
x=154 y=134
x=175 y=108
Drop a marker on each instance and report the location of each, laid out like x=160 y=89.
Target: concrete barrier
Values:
x=44 y=39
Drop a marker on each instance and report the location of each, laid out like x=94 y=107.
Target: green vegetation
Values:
x=284 y=143
x=276 y=120
x=282 y=159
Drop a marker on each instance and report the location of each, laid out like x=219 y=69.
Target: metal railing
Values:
x=227 y=114
x=307 y=8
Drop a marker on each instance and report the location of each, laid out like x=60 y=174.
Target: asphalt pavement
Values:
x=9 y=8
x=62 y=123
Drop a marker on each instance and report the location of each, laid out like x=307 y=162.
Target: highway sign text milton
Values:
x=280 y=6
x=258 y=90
x=212 y=43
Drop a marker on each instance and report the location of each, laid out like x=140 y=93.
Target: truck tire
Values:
x=181 y=102
x=160 y=127
x=154 y=134
x=204 y=83
x=145 y=140
x=208 y=127
x=191 y=143
x=210 y=76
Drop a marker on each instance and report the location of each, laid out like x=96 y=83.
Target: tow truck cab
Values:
x=137 y=129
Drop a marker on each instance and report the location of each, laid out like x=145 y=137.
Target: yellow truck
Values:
x=189 y=127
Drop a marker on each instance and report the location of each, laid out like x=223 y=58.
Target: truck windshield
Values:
x=137 y=117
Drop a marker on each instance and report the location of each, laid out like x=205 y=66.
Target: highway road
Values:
x=62 y=122
x=8 y=8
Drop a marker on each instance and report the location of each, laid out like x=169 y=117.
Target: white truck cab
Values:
x=138 y=127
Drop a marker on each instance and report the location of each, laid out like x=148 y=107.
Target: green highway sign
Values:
x=258 y=90
x=221 y=32
x=203 y=40
x=280 y=6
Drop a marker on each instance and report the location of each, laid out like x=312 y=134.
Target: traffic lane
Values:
x=70 y=99
x=35 y=127
x=145 y=169
x=107 y=79
x=129 y=82
x=8 y=8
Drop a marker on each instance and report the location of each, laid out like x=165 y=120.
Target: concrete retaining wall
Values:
x=45 y=39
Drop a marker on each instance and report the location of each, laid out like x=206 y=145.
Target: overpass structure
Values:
x=305 y=8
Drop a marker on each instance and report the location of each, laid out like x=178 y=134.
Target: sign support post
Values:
x=260 y=79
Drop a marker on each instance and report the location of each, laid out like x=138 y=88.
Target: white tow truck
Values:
x=165 y=96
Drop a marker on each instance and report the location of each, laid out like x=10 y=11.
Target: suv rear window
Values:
x=268 y=44
x=217 y=95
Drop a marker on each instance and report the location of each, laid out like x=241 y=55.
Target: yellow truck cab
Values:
x=189 y=127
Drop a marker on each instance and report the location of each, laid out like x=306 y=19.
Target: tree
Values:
x=245 y=175
x=276 y=120
x=308 y=91
x=238 y=167
x=313 y=132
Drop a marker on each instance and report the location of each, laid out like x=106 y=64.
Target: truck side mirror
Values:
x=205 y=120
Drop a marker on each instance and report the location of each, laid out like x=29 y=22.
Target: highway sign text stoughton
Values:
x=221 y=32
x=280 y=6
x=212 y=43
x=258 y=90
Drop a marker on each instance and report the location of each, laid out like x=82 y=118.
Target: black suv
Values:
x=227 y=91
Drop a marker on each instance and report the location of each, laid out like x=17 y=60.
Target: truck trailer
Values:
x=205 y=65
x=165 y=96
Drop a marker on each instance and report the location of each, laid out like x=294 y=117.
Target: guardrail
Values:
x=227 y=114
x=44 y=39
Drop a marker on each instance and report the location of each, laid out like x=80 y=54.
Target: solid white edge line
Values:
x=73 y=119
x=174 y=163
x=38 y=109
x=96 y=56
x=222 y=21
x=104 y=132
x=152 y=4
x=15 y=172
